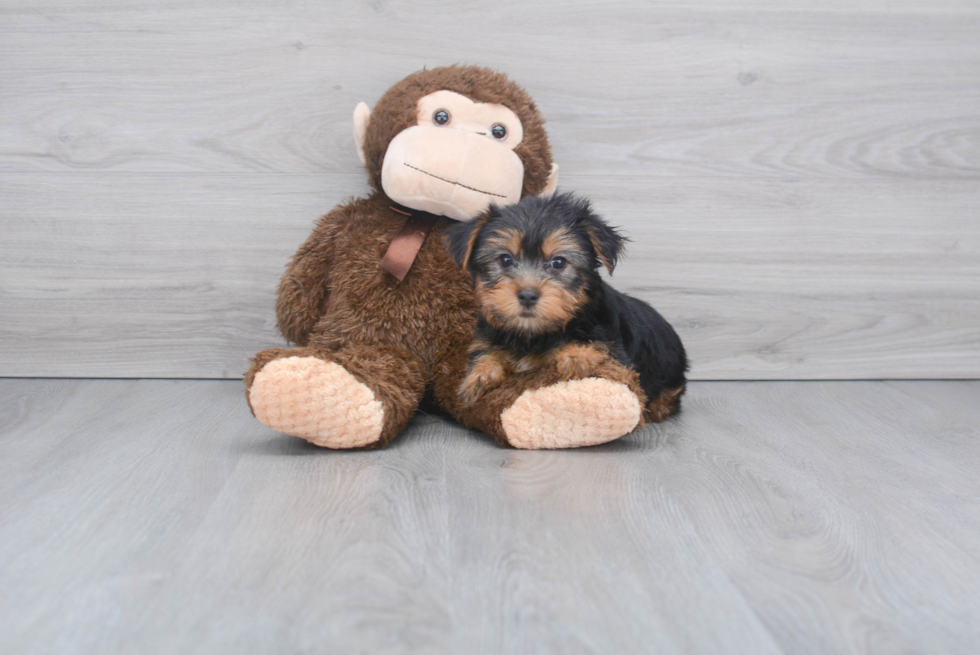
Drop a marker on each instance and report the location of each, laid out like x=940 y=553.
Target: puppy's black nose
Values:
x=528 y=297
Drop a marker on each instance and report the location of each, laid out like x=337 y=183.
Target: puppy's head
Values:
x=535 y=264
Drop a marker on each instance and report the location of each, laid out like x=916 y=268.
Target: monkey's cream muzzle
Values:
x=450 y=172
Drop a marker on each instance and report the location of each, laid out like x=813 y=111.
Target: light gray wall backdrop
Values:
x=801 y=184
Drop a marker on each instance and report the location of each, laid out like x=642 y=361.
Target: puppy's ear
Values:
x=462 y=238
x=607 y=242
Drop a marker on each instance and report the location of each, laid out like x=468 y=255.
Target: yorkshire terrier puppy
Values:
x=542 y=302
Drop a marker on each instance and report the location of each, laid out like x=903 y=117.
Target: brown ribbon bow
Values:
x=404 y=248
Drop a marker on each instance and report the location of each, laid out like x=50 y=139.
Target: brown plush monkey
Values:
x=379 y=310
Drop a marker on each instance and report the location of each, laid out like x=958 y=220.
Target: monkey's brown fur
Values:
x=403 y=339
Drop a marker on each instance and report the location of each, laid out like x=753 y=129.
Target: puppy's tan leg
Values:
x=486 y=372
x=663 y=406
x=574 y=361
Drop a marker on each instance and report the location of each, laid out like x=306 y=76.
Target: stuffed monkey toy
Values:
x=379 y=311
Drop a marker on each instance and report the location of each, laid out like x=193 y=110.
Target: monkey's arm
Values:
x=304 y=288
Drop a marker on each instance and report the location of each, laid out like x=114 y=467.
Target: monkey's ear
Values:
x=362 y=114
x=607 y=241
x=552 y=183
x=462 y=238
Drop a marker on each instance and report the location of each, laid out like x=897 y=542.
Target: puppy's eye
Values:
x=557 y=263
x=506 y=261
x=499 y=132
x=440 y=117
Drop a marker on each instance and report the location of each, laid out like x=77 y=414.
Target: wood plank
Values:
x=801 y=489
x=856 y=90
x=956 y=401
x=769 y=517
x=809 y=279
x=161 y=276
x=174 y=275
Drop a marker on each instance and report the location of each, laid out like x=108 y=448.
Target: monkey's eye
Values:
x=557 y=263
x=506 y=261
x=440 y=117
x=499 y=132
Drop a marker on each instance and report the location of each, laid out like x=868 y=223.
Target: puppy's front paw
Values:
x=485 y=374
x=578 y=361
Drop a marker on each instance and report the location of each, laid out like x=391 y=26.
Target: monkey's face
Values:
x=457 y=160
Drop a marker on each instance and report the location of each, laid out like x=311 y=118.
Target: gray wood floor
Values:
x=770 y=517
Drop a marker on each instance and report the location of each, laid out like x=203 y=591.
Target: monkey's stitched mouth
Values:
x=486 y=193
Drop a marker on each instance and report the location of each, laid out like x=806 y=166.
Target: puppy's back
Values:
x=650 y=342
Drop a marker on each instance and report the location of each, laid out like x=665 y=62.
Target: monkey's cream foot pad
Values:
x=571 y=414
x=318 y=401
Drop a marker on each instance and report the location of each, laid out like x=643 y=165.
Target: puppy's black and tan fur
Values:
x=542 y=302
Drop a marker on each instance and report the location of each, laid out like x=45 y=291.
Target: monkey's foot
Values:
x=571 y=414
x=318 y=401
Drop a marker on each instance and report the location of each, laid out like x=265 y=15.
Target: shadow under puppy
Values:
x=542 y=302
